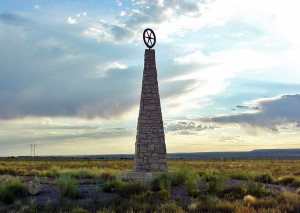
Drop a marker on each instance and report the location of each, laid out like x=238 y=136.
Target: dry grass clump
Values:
x=288 y=181
x=211 y=204
x=298 y=191
x=248 y=199
x=170 y=207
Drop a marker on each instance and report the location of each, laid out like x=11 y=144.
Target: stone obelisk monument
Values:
x=150 y=147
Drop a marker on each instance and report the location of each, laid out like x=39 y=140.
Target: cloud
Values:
x=36 y=7
x=186 y=127
x=71 y=20
x=247 y=107
x=103 y=69
x=119 y=3
x=230 y=139
x=167 y=18
x=13 y=18
x=99 y=34
x=273 y=113
x=57 y=75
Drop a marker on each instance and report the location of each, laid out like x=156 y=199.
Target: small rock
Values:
x=33 y=188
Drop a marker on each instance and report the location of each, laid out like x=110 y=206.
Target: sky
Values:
x=71 y=74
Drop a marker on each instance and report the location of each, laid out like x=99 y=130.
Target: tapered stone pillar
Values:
x=150 y=147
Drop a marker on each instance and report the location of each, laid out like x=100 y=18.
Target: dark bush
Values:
x=163 y=195
x=257 y=190
x=12 y=189
x=288 y=181
x=112 y=186
x=264 y=178
x=161 y=181
x=201 y=173
x=238 y=191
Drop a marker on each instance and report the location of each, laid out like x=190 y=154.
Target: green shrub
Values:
x=210 y=177
x=8 y=171
x=214 y=183
x=257 y=190
x=163 y=195
x=243 y=176
x=54 y=171
x=170 y=207
x=161 y=181
x=195 y=193
x=11 y=189
x=239 y=190
x=264 y=178
x=112 y=186
x=180 y=176
x=201 y=173
x=84 y=173
x=132 y=188
x=66 y=186
x=191 y=185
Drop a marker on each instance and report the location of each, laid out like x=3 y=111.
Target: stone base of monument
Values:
x=141 y=176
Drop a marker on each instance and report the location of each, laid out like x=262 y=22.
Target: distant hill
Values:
x=257 y=153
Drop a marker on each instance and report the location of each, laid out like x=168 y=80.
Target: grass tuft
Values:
x=163 y=195
x=112 y=186
x=248 y=199
x=132 y=188
x=170 y=207
x=11 y=189
x=264 y=178
x=66 y=186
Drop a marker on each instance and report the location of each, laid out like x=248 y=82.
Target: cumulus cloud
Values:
x=36 y=6
x=273 y=113
x=71 y=20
